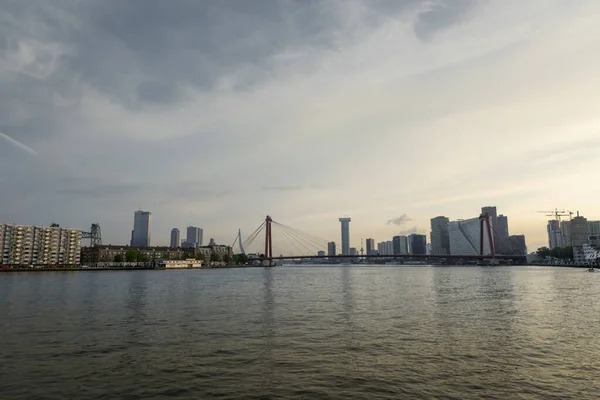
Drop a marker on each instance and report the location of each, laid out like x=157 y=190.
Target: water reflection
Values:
x=267 y=325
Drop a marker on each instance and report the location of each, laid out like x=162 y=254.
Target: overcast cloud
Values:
x=216 y=113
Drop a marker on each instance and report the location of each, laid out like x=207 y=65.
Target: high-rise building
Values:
x=39 y=245
x=440 y=239
x=193 y=237
x=345 y=236
x=403 y=244
x=580 y=231
x=175 y=238
x=465 y=237
x=565 y=228
x=555 y=234
x=502 y=232
x=396 y=245
x=331 y=250
x=493 y=214
x=516 y=246
x=418 y=244
x=142 y=229
x=594 y=227
x=370 y=246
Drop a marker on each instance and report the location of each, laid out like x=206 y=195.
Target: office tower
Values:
x=516 y=246
x=440 y=239
x=142 y=229
x=418 y=244
x=370 y=246
x=491 y=211
x=345 y=236
x=465 y=237
x=396 y=245
x=555 y=234
x=39 y=245
x=193 y=237
x=331 y=251
x=403 y=244
x=502 y=232
x=175 y=238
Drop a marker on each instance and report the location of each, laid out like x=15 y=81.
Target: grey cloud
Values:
x=399 y=221
x=442 y=14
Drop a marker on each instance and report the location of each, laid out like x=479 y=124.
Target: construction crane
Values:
x=557 y=213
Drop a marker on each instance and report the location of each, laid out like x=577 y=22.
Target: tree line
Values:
x=562 y=253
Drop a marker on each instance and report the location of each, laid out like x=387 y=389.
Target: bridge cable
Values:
x=248 y=242
x=316 y=241
x=302 y=241
x=286 y=236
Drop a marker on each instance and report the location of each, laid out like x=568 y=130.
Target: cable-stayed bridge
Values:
x=272 y=241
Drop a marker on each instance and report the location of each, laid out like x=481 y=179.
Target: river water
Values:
x=302 y=333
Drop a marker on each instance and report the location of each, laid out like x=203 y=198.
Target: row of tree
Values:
x=562 y=253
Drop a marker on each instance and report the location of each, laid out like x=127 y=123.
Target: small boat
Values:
x=591 y=269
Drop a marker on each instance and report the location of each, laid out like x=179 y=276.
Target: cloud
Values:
x=219 y=113
x=409 y=231
x=399 y=221
x=18 y=144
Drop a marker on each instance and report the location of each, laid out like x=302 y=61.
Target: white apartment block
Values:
x=39 y=245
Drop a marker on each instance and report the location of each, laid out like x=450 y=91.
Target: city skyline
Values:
x=488 y=103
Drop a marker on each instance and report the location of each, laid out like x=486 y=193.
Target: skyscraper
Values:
x=465 y=237
x=580 y=231
x=175 y=238
x=370 y=246
x=331 y=251
x=491 y=211
x=345 y=236
x=555 y=234
x=440 y=239
x=142 y=229
x=194 y=236
x=418 y=244
x=502 y=232
x=403 y=244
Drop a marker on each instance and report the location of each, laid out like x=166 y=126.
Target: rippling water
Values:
x=302 y=333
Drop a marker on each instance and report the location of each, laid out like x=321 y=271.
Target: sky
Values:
x=217 y=113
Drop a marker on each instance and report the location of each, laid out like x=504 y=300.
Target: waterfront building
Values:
x=321 y=253
x=555 y=234
x=493 y=214
x=39 y=245
x=115 y=253
x=345 y=222
x=440 y=239
x=502 y=232
x=142 y=229
x=175 y=238
x=331 y=250
x=418 y=244
x=465 y=237
x=371 y=246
